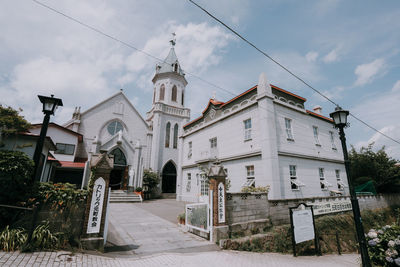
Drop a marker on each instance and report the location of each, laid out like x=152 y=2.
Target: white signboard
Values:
x=221 y=203
x=96 y=206
x=326 y=207
x=303 y=225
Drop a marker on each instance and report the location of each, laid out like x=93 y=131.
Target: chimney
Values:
x=318 y=109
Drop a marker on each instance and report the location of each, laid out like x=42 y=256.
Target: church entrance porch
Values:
x=168 y=184
x=119 y=175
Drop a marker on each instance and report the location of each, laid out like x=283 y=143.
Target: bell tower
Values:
x=167 y=117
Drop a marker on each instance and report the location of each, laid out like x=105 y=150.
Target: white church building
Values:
x=264 y=136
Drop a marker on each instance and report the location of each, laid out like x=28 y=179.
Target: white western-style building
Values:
x=263 y=137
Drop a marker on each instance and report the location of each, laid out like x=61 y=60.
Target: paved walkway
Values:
x=133 y=230
x=209 y=259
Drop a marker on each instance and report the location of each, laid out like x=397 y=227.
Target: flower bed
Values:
x=384 y=245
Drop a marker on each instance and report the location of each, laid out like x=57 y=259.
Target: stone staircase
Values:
x=123 y=196
x=169 y=195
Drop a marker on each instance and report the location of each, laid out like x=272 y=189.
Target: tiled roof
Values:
x=319 y=116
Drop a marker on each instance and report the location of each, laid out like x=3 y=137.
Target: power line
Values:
x=287 y=70
x=194 y=75
x=125 y=43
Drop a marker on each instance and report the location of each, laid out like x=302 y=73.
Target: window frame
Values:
x=289 y=129
x=115 y=124
x=324 y=185
x=204 y=185
x=316 y=135
x=57 y=151
x=161 y=97
x=189 y=182
x=213 y=142
x=175 y=140
x=174 y=93
x=167 y=134
x=333 y=145
x=293 y=177
x=247 y=129
x=190 y=149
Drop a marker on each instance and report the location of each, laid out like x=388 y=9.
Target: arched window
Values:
x=176 y=67
x=176 y=135
x=183 y=97
x=162 y=92
x=114 y=127
x=174 y=92
x=167 y=134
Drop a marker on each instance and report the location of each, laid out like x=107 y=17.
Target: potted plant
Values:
x=139 y=191
x=181 y=218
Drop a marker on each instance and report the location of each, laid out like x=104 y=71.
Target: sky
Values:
x=349 y=50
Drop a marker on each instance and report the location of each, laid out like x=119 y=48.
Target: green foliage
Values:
x=15 y=173
x=279 y=238
x=139 y=189
x=12 y=239
x=42 y=238
x=11 y=122
x=151 y=179
x=384 y=245
x=258 y=189
x=60 y=196
x=367 y=165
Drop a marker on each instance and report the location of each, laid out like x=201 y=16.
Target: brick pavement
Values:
x=209 y=259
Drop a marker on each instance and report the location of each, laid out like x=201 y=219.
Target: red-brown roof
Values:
x=215 y=102
x=70 y=164
x=319 y=116
x=80 y=137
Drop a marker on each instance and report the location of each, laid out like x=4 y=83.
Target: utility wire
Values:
x=287 y=70
x=124 y=43
x=194 y=75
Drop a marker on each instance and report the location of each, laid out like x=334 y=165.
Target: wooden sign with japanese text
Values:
x=96 y=206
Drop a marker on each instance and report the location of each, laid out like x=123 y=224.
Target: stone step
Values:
x=169 y=195
x=125 y=198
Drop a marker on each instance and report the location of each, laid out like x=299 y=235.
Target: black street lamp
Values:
x=339 y=117
x=49 y=106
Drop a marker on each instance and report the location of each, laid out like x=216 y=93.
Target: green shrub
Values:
x=150 y=179
x=15 y=172
x=42 y=238
x=12 y=239
x=384 y=245
x=258 y=189
x=139 y=189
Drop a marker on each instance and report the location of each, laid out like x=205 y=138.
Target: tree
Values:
x=11 y=122
x=150 y=179
x=378 y=167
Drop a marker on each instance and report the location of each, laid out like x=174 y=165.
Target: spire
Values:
x=171 y=63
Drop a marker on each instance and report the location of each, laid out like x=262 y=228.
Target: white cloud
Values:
x=366 y=73
x=332 y=56
x=396 y=87
x=380 y=111
x=311 y=56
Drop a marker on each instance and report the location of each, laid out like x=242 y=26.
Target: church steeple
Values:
x=171 y=63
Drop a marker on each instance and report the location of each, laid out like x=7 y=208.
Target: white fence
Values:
x=198 y=216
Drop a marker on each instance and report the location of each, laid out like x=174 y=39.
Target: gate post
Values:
x=217 y=177
x=96 y=206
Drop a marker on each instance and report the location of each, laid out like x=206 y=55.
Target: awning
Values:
x=71 y=164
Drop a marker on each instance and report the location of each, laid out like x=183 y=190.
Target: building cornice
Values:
x=302 y=156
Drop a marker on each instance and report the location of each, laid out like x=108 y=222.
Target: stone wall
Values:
x=279 y=209
x=244 y=207
x=247 y=213
x=69 y=221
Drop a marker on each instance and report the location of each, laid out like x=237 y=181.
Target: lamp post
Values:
x=49 y=106
x=339 y=117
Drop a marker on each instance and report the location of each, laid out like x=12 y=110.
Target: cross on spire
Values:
x=173 y=40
